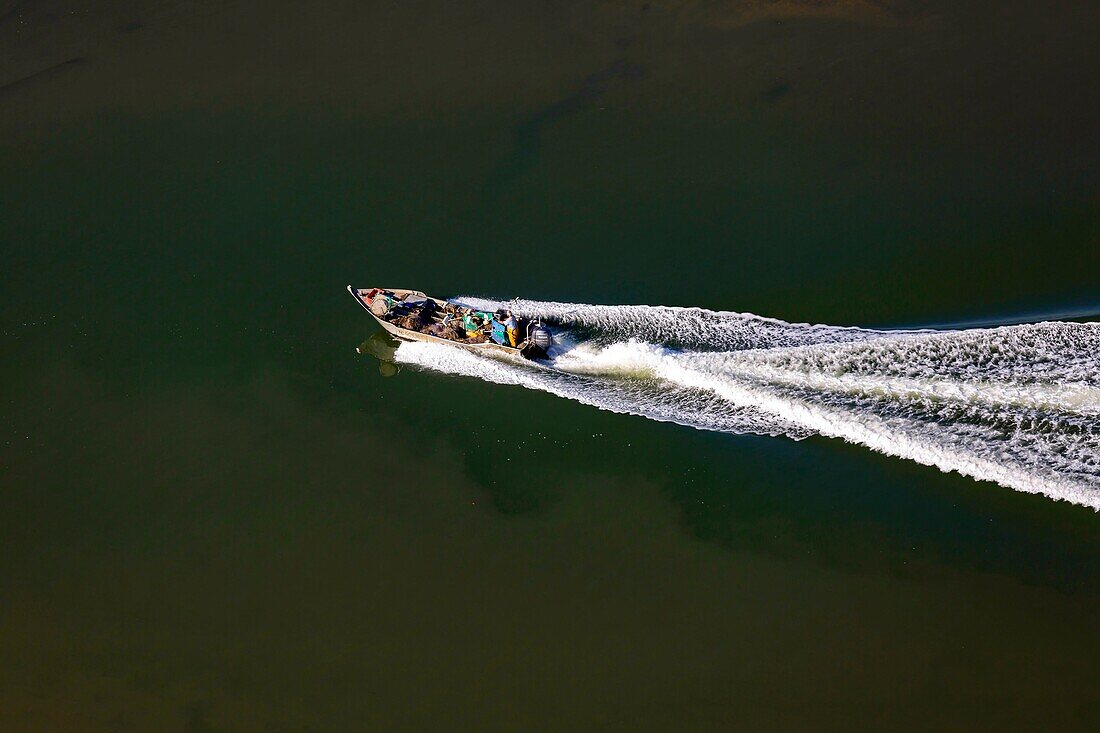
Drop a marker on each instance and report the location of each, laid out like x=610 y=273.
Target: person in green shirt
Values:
x=473 y=322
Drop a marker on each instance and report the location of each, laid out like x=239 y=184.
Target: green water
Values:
x=216 y=515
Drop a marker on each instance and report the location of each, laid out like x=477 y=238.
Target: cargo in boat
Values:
x=411 y=315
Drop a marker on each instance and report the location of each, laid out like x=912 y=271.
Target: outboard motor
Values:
x=540 y=338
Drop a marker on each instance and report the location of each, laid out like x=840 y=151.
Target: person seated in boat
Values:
x=470 y=323
x=473 y=323
x=498 y=332
x=504 y=328
x=511 y=327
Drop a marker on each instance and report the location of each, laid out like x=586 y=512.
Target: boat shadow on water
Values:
x=382 y=347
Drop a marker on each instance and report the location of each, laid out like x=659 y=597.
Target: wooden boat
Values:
x=389 y=304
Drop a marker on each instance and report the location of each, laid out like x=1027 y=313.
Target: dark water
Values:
x=216 y=515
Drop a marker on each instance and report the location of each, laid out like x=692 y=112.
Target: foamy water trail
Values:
x=1017 y=405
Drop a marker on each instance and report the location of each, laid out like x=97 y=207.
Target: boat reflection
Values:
x=382 y=347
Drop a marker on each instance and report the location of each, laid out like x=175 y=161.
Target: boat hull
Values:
x=404 y=334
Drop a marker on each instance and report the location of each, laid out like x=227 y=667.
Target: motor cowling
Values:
x=540 y=338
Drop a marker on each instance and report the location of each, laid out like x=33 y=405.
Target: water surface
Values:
x=216 y=515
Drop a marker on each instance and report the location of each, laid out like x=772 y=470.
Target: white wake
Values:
x=1017 y=405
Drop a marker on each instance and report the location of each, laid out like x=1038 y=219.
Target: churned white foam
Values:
x=683 y=405
x=689 y=328
x=1016 y=405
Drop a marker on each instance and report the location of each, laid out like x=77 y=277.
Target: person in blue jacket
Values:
x=499 y=333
